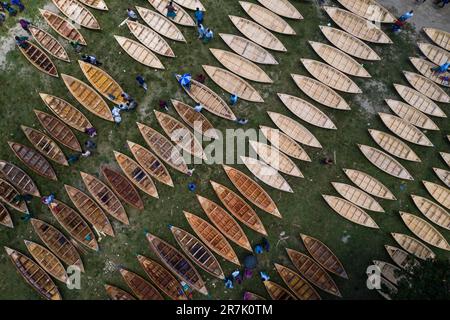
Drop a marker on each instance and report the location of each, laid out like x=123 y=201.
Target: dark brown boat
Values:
x=141 y=288
x=118 y=294
x=5 y=218
x=38 y=58
x=49 y=43
x=8 y=195
x=18 y=178
x=277 y=292
x=62 y=26
x=302 y=289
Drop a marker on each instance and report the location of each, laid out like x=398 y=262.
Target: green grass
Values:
x=304 y=211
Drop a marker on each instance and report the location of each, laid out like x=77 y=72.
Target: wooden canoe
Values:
x=95 y=4
x=241 y=66
x=39 y=59
x=434 y=54
x=233 y=84
x=284 y=143
x=18 y=178
x=150 y=38
x=394 y=146
x=33 y=160
x=419 y=101
x=63 y=27
x=427 y=87
x=402 y=258
x=195 y=120
x=411 y=114
x=369 y=184
x=182 y=17
x=387 y=289
x=162 y=278
x=274 y=158
x=160 y=24
x=115 y=293
x=443 y=175
x=88 y=97
x=349 y=211
x=283 y=8
x=139 y=52
x=369 y=9
x=357 y=26
x=319 y=92
x=324 y=256
x=301 y=288
x=257 y=33
x=90 y=210
x=440 y=37
x=405 y=130
x=294 y=129
x=5 y=217
x=266 y=174
x=432 y=211
x=307 y=111
x=439 y=193
x=45 y=145
x=105 y=197
x=446 y=157
x=267 y=18
x=198 y=252
x=48 y=261
x=414 y=246
x=136 y=174
x=248 y=49
x=77 y=13
x=141 y=288
x=357 y=197
x=176 y=262
x=34 y=275
x=313 y=272
x=163 y=148
x=425 y=66
x=277 y=292
x=8 y=195
x=49 y=43
x=191 y=4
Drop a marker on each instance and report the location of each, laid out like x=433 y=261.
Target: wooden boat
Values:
x=191 y=4
x=136 y=174
x=241 y=66
x=319 y=92
x=95 y=4
x=369 y=184
x=250 y=296
x=446 y=157
x=266 y=174
x=8 y=195
x=282 y=7
x=88 y=97
x=277 y=292
x=195 y=120
x=150 y=38
x=163 y=148
x=160 y=24
x=357 y=26
x=414 y=246
x=5 y=217
x=402 y=258
x=33 y=160
x=162 y=278
x=324 y=256
x=330 y=76
x=302 y=289
x=419 y=101
x=182 y=17
x=248 y=49
x=350 y=211
x=369 y=9
x=387 y=289
x=425 y=66
x=294 y=129
x=434 y=54
x=118 y=294
x=313 y=272
x=39 y=59
x=18 y=178
x=63 y=27
x=432 y=211
x=141 y=288
x=357 y=197
x=34 y=275
x=405 y=130
x=427 y=87
x=440 y=37
x=210 y=100
x=198 y=252
x=277 y=160
x=267 y=18
x=439 y=193
x=139 y=52
x=177 y=263
x=443 y=175
x=105 y=197
x=48 y=261
x=66 y=112
x=307 y=111
x=90 y=210
x=45 y=145
x=77 y=13
x=252 y=191
x=258 y=34
x=49 y=43
x=394 y=146
x=411 y=114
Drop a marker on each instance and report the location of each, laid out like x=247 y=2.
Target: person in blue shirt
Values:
x=19 y=4
x=233 y=99
x=442 y=68
x=407 y=15
x=199 y=16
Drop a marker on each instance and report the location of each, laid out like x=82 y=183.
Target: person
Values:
x=86 y=154
x=116 y=115
x=141 y=81
x=171 y=10
x=397 y=26
x=200 y=78
x=22 y=41
x=76 y=46
x=27 y=216
x=2 y=18
x=163 y=105
x=199 y=15
x=327 y=161
x=444 y=2
x=73 y=158
x=190 y=172
x=91 y=132
x=237 y=276
x=48 y=200
x=201 y=31
x=91 y=59
x=19 y=4
x=248 y=273
x=228 y=283
x=25 y=25
x=242 y=121
x=132 y=15
x=442 y=68
x=25 y=198
x=258 y=249
x=90 y=145
x=233 y=99
x=406 y=16
x=264 y=276
x=198 y=107
x=125 y=96
x=186 y=80
x=7 y=7
x=266 y=244
x=209 y=35
x=192 y=187
x=445 y=80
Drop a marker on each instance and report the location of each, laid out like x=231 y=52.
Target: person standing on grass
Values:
x=91 y=59
x=22 y=42
x=233 y=99
x=201 y=31
x=76 y=46
x=443 y=2
x=25 y=24
x=199 y=16
x=209 y=35
x=198 y=107
x=141 y=81
x=132 y=15
x=11 y=11
x=171 y=11
x=19 y=4
x=2 y=18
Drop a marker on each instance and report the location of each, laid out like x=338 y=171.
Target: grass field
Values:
x=303 y=211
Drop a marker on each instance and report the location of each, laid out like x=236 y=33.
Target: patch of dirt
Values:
x=7 y=43
x=109 y=267
x=366 y=100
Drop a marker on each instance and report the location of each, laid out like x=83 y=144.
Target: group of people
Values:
x=11 y=7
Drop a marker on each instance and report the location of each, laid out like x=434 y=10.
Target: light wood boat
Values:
x=233 y=84
x=5 y=217
x=248 y=49
x=160 y=24
x=443 y=175
x=405 y=130
x=446 y=157
x=77 y=13
x=432 y=211
x=39 y=59
x=369 y=184
x=277 y=292
x=439 y=193
x=177 y=263
x=18 y=178
x=250 y=296
x=8 y=195
x=350 y=211
x=88 y=97
x=434 y=54
x=402 y=258
x=411 y=114
x=105 y=197
x=191 y=4
x=394 y=146
x=90 y=210
x=34 y=275
x=301 y=288
x=425 y=66
x=282 y=7
x=150 y=38
x=182 y=17
x=319 y=92
x=95 y=4
x=115 y=293
x=370 y=10
x=440 y=37
x=357 y=26
x=387 y=289
x=141 y=288
x=294 y=129
x=63 y=27
x=357 y=196
x=139 y=52
x=258 y=34
x=414 y=246
x=267 y=18
x=419 y=101
x=49 y=43
x=198 y=252
x=427 y=87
